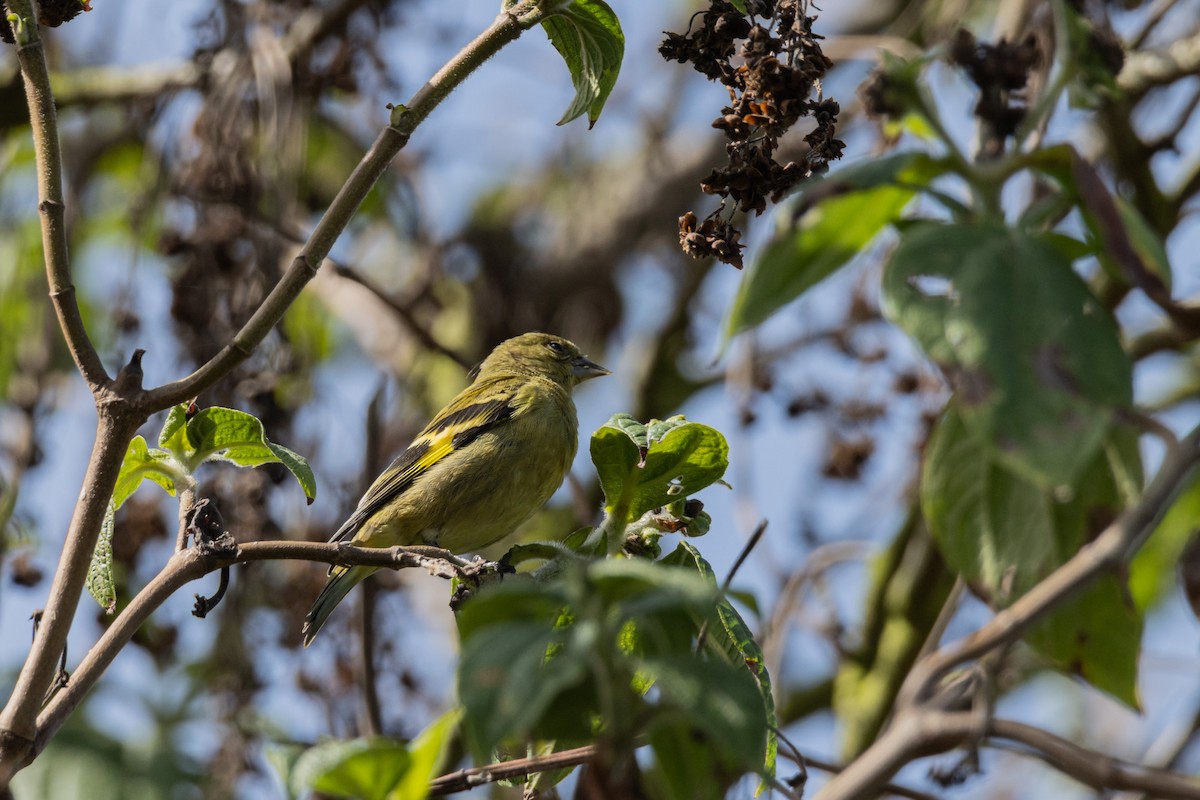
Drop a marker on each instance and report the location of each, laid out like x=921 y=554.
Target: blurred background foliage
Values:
x=203 y=139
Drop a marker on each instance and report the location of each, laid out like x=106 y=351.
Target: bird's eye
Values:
x=556 y=348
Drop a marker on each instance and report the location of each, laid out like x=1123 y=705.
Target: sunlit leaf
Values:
x=588 y=36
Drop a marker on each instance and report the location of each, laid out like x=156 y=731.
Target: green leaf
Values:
x=230 y=435
x=427 y=757
x=824 y=238
x=683 y=766
x=735 y=640
x=172 y=436
x=282 y=757
x=1003 y=534
x=506 y=684
x=688 y=458
x=516 y=599
x=635 y=430
x=1034 y=359
x=717 y=698
x=364 y=769
x=298 y=466
x=588 y=36
x=140 y=462
x=100 y=583
x=1152 y=571
x=1096 y=635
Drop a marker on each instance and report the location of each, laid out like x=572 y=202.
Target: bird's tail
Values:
x=341 y=581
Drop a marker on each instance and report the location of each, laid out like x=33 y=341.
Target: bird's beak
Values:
x=583 y=369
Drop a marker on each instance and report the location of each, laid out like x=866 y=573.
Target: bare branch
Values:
x=43 y=121
x=465 y=779
x=193 y=564
x=1097 y=770
x=391 y=140
x=1145 y=69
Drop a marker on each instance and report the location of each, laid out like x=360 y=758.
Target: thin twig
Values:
x=43 y=121
x=372 y=718
x=405 y=315
x=759 y=530
x=465 y=779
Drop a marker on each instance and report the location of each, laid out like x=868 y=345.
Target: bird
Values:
x=482 y=466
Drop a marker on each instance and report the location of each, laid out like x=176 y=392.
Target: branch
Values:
x=1097 y=770
x=1146 y=69
x=465 y=779
x=391 y=140
x=116 y=426
x=194 y=563
x=915 y=731
x=405 y=315
x=43 y=122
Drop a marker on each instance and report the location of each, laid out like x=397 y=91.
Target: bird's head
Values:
x=541 y=354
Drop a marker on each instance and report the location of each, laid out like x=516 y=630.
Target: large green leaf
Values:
x=375 y=768
x=507 y=683
x=687 y=458
x=230 y=435
x=588 y=36
x=716 y=697
x=1034 y=359
x=832 y=222
x=1003 y=534
x=683 y=766
x=363 y=769
x=734 y=638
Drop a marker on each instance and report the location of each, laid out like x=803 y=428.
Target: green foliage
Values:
x=531 y=671
x=1153 y=569
x=1004 y=533
x=187 y=440
x=588 y=36
x=606 y=649
x=645 y=467
x=376 y=768
x=1035 y=361
x=734 y=638
x=83 y=763
x=832 y=222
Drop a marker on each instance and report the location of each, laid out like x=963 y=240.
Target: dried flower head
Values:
x=772 y=65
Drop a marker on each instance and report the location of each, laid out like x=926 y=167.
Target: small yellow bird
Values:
x=486 y=462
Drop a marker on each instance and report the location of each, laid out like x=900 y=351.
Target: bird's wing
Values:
x=455 y=426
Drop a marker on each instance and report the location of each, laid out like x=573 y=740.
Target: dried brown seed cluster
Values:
x=1001 y=71
x=51 y=13
x=779 y=66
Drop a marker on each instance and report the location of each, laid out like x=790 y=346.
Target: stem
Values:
x=43 y=122
x=18 y=720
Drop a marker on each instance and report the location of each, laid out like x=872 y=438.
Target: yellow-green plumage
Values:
x=480 y=468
